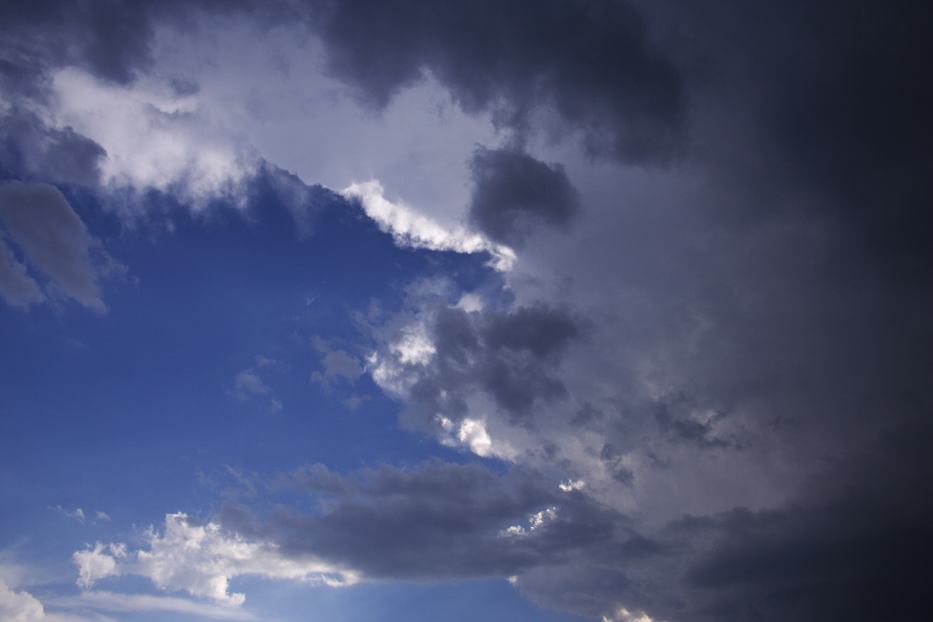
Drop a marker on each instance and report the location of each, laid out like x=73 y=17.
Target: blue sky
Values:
x=146 y=416
x=389 y=310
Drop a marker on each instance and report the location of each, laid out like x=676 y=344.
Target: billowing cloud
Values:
x=153 y=138
x=201 y=560
x=19 y=606
x=591 y=63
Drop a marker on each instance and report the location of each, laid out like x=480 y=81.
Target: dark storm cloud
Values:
x=851 y=548
x=589 y=61
x=110 y=38
x=513 y=192
x=825 y=104
x=442 y=521
x=511 y=357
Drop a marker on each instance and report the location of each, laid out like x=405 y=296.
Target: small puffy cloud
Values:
x=202 y=560
x=248 y=385
x=409 y=227
x=97 y=563
x=337 y=364
x=77 y=514
x=55 y=242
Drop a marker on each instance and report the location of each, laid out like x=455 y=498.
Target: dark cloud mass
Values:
x=732 y=342
x=444 y=521
x=511 y=357
x=513 y=192
x=589 y=61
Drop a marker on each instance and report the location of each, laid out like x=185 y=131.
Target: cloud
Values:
x=153 y=138
x=338 y=365
x=202 y=560
x=19 y=606
x=32 y=151
x=513 y=192
x=77 y=514
x=450 y=355
x=17 y=288
x=408 y=227
x=592 y=64
x=248 y=385
x=438 y=520
x=55 y=242
x=114 y=602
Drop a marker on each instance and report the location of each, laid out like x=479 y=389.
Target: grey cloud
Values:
x=591 y=62
x=436 y=521
x=338 y=365
x=109 y=38
x=249 y=386
x=512 y=357
x=31 y=151
x=512 y=192
x=16 y=286
x=54 y=241
x=849 y=550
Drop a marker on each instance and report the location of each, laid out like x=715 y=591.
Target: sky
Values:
x=378 y=310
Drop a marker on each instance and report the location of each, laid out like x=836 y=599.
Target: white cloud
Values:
x=624 y=615
x=77 y=514
x=572 y=484
x=473 y=435
x=411 y=228
x=535 y=521
x=19 y=606
x=98 y=562
x=154 y=138
x=202 y=560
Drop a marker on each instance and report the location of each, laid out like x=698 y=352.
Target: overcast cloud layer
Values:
x=659 y=318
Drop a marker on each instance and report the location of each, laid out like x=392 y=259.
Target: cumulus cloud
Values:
x=153 y=138
x=19 y=606
x=55 y=242
x=202 y=560
x=249 y=385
